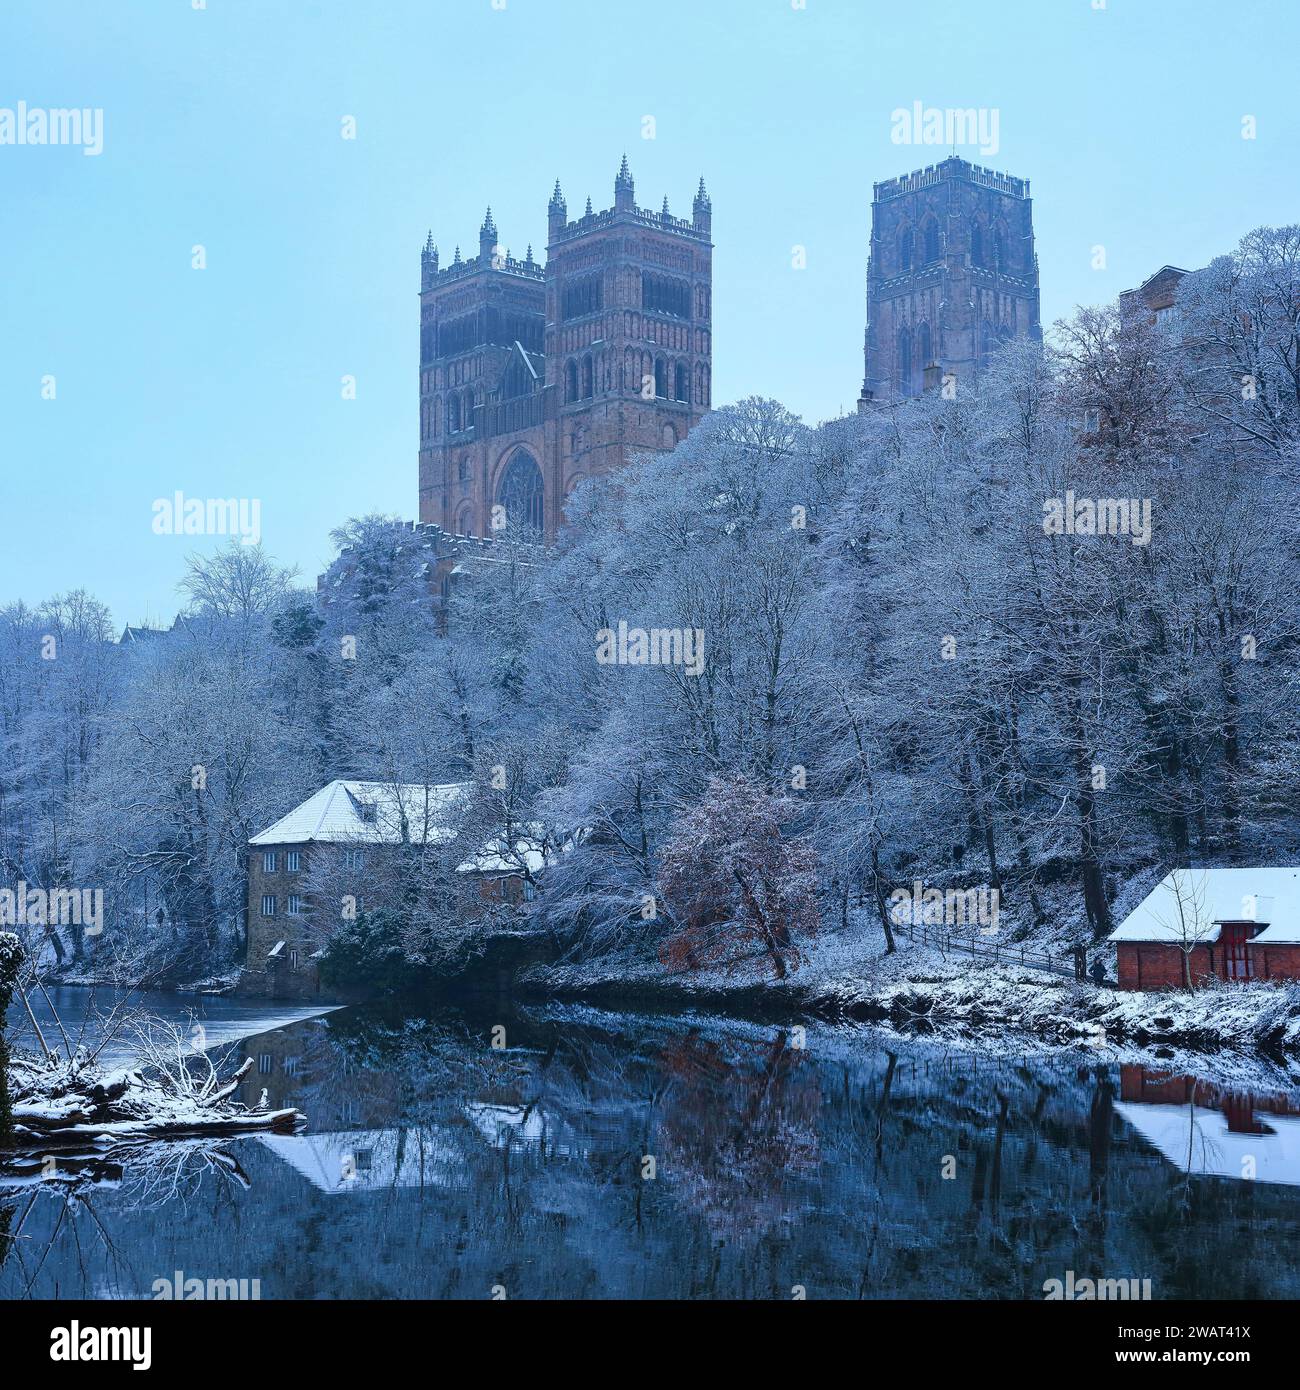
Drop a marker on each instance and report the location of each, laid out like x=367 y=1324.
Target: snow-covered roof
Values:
x=1197 y=1140
x=1211 y=897
x=495 y=858
x=366 y=1160
x=346 y=812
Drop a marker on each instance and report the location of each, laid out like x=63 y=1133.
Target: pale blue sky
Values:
x=222 y=127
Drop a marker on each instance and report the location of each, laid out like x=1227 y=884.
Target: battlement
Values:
x=527 y=269
x=663 y=221
x=950 y=169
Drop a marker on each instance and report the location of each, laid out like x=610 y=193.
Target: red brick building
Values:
x=534 y=377
x=1214 y=924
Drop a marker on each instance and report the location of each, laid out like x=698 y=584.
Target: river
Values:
x=498 y=1151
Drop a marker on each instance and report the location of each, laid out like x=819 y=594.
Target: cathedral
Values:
x=534 y=377
x=951 y=274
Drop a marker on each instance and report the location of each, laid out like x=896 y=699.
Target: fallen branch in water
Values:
x=61 y=1104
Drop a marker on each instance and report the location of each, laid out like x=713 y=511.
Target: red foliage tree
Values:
x=737 y=889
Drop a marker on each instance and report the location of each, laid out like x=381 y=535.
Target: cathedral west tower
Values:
x=533 y=378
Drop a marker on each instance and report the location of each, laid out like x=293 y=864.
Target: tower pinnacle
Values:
x=702 y=207
x=624 y=189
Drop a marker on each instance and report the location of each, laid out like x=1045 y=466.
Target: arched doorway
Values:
x=521 y=494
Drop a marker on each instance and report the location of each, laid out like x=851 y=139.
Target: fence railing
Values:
x=1000 y=952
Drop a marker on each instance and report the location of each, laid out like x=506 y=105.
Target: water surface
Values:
x=616 y=1156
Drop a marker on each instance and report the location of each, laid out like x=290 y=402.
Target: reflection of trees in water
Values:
x=60 y=1210
x=776 y=1166
x=738 y=1129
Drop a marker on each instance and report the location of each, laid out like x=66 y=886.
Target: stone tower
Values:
x=952 y=272
x=533 y=379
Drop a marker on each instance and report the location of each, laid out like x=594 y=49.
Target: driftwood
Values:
x=58 y=1106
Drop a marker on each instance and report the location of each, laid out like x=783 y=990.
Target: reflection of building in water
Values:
x=307 y=1068
x=369 y=1160
x=1212 y=1130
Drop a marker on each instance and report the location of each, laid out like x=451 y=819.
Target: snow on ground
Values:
x=848 y=975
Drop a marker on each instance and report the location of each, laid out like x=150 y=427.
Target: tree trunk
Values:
x=881 y=906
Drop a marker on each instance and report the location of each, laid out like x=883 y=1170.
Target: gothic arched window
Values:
x=931 y=240
x=682 y=385
x=520 y=492
x=976 y=244
x=661 y=379
x=467 y=410
x=588 y=389
x=903 y=363
x=924 y=356
x=571 y=381
x=905 y=249
x=462 y=469
x=453 y=413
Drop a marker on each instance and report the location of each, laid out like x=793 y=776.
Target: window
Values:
x=903 y=364
x=293 y=960
x=292 y=860
x=268 y=904
x=1000 y=248
x=661 y=379
x=905 y=249
x=662 y=294
x=462 y=469
x=571 y=381
x=294 y=907
x=459 y=335
x=682 y=383
x=582 y=296
x=923 y=353
x=268 y=861
x=588 y=389
x=520 y=492
x=453 y=414
x=290 y=1066
x=353 y=860
x=931 y=240
x=264 y=1063
x=977 y=244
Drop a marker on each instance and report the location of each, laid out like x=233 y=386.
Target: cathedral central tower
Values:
x=952 y=272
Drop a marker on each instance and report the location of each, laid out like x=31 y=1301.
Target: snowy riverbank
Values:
x=956 y=995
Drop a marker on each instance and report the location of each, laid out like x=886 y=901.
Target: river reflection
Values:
x=597 y=1156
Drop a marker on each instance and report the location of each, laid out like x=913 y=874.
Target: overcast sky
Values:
x=222 y=127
